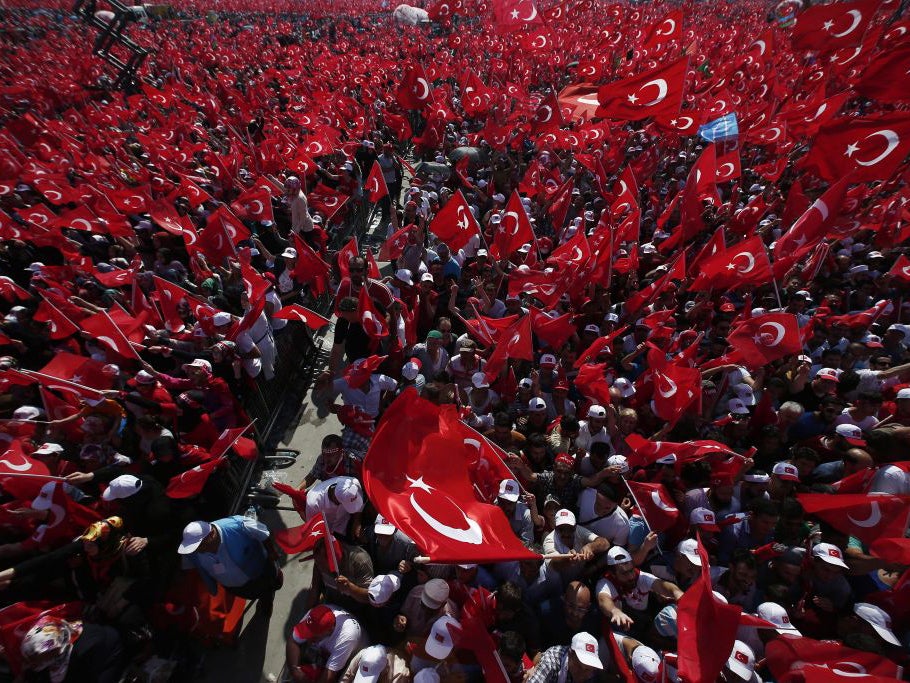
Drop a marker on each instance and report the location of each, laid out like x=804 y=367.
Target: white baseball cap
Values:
x=737 y=406
x=193 y=534
x=830 y=553
x=786 y=471
x=617 y=555
x=878 y=619
x=411 y=369
x=548 y=359
x=440 y=643
x=382 y=526
x=121 y=487
x=777 y=615
x=537 y=405
x=479 y=380
x=689 y=548
x=620 y=461
x=594 y=329
x=584 y=645
x=742 y=660
x=597 y=411
x=852 y=433
x=48 y=449
x=382 y=587
x=564 y=518
x=904 y=393
x=221 y=318
x=645 y=663
x=350 y=495
x=404 y=275
x=704 y=518
x=373 y=661
x=509 y=490
x=45 y=497
x=289 y=252
x=625 y=387
x=744 y=393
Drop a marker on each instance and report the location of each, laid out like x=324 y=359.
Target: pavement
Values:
x=260 y=653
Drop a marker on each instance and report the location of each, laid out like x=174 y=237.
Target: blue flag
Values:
x=723 y=128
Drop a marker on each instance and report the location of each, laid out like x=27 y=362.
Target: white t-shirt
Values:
x=341 y=644
x=366 y=398
x=637 y=598
x=317 y=500
x=585 y=438
x=865 y=424
x=891 y=479
x=614 y=528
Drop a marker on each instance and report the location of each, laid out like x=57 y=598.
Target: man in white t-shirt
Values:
x=338 y=499
x=599 y=511
x=570 y=539
x=625 y=590
x=322 y=644
x=891 y=479
x=593 y=429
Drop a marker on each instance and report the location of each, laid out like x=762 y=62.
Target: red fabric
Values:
x=782 y=654
x=813 y=32
x=301 y=538
x=375 y=184
x=514 y=229
x=18 y=618
x=455 y=224
x=431 y=499
x=766 y=338
x=190 y=483
x=657 y=92
x=655 y=505
x=302 y=314
x=103 y=329
x=867 y=517
x=297 y=496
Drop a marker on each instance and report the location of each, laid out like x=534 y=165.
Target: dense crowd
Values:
x=683 y=349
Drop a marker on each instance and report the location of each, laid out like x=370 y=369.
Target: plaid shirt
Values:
x=551 y=663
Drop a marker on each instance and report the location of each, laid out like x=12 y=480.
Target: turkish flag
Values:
x=326 y=200
x=60 y=326
x=581 y=98
x=663 y=31
x=703 y=618
x=486 y=463
x=782 y=655
x=742 y=264
x=515 y=342
x=598 y=346
x=654 y=93
x=394 y=246
x=547 y=116
x=254 y=205
x=676 y=388
x=231 y=438
x=301 y=538
x=455 y=224
x=592 y=383
x=830 y=27
x=554 y=332
x=901 y=269
x=871 y=147
x=374 y=324
x=432 y=499
x=375 y=184
x=104 y=330
x=511 y=14
x=766 y=338
x=677 y=271
x=10 y=291
x=881 y=79
x=573 y=254
x=655 y=505
x=190 y=483
x=15 y=461
x=514 y=228
x=302 y=314
x=811 y=226
x=868 y=517
x=414 y=91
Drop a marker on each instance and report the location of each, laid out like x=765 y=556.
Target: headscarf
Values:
x=51 y=635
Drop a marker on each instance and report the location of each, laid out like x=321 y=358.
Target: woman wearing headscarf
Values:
x=62 y=651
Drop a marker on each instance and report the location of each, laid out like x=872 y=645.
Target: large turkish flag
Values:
x=418 y=479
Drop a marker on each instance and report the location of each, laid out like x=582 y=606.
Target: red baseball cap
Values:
x=317 y=623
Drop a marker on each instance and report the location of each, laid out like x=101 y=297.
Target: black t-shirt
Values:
x=355 y=339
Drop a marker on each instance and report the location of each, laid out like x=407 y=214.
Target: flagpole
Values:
x=423 y=559
x=640 y=510
x=26 y=475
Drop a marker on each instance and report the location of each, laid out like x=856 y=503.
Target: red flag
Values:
x=782 y=655
x=10 y=291
x=455 y=224
x=103 y=329
x=227 y=439
x=871 y=147
x=868 y=517
x=190 y=483
x=302 y=314
x=297 y=496
x=431 y=499
x=511 y=14
x=372 y=267
x=663 y=31
x=881 y=79
x=486 y=463
x=655 y=505
x=374 y=324
x=901 y=269
x=675 y=389
x=515 y=342
x=554 y=332
x=301 y=538
x=255 y=205
x=811 y=225
x=654 y=93
x=394 y=246
x=414 y=92
x=514 y=228
x=375 y=184
x=742 y=264
x=60 y=326
x=766 y=338
x=592 y=383
x=15 y=461
x=703 y=618
x=829 y=27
